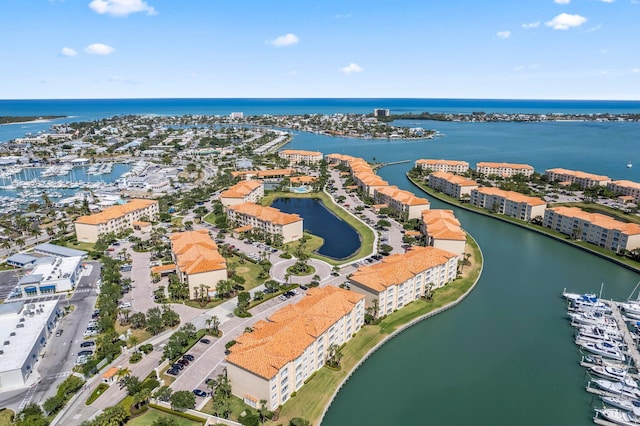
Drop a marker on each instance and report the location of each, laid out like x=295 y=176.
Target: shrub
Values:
x=285 y=256
x=146 y=349
x=135 y=357
x=229 y=344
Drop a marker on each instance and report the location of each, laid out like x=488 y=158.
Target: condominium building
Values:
x=272 y=221
x=449 y=166
x=245 y=191
x=197 y=261
x=264 y=174
x=274 y=360
x=301 y=156
x=508 y=203
x=504 y=169
x=442 y=230
x=595 y=228
x=115 y=219
x=625 y=187
x=405 y=203
x=582 y=179
x=453 y=185
x=402 y=278
x=361 y=171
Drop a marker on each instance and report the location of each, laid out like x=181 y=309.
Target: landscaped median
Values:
x=582 y=245
x=365 y=233
x=314 y=398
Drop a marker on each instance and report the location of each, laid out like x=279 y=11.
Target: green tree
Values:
x=31 y=415
x=165 y=421
x=155 y=324
x=170 y=318
x=163 y=393
x=183 y=400
x=244 y=299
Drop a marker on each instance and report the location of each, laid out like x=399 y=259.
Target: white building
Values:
x=51 y=275
x=508 y=203
x=626 y=187
x=24 y=333
x=450 y=166
x=452 y=185
x=582 y=179
x=245 y=191
x=504 y=169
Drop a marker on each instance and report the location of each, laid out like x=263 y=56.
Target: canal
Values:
x=340 y=239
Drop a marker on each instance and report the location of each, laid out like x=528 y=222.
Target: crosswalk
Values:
x=84 y=290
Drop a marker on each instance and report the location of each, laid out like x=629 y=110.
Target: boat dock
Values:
x=632 y=349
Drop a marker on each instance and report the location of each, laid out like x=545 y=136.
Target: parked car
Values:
x=85 y=353
x=124 y=305
x=205 y=341
x=188 y=357
x=183 y=362
x=177 y=366
x=303 y=287
x=87 y=344
x=173 y=371
x=198 y=392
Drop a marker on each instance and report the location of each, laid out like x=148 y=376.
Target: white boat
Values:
x=581 y=340
x=621 y=402
x=604 y=349
x=591 y=360
x=604 y=333
x=595 y=319
x=629 y=165
x=575 y=296
x=618 y=417
x=613 y=373
x=617 y=388
x=630 y=308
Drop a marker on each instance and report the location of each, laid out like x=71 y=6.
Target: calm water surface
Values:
x=340 y=239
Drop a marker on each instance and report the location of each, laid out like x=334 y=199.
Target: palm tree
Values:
x=215 y=324
x=123 y=372
x=133 y=341
x=262 y=410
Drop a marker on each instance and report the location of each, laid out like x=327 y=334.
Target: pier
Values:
x=380 y=165
x=628 y=339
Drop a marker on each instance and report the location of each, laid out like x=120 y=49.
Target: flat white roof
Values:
x=15 y=353
x=59 y=268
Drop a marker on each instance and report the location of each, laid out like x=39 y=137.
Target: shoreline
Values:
x=604 y=256
x=406 y=326
x=32 y=121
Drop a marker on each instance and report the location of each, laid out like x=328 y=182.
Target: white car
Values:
x=124 y=305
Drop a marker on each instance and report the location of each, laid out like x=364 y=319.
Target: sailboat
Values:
x=629 y=165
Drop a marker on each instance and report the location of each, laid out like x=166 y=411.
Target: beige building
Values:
x=300 y=156
x=595 y=228
x=626 y=187
x=198 y=261
x=362 y=173
x=266 y=219
x=246 y=191
x=402 y=278
x=407 y=205
x=568 y=177
x=442 y=230
x=448 y=166
x=264 y=174
x=508 y=203
x=275 y=359
x=504 y=169
x=452 y=185
x=115 y=219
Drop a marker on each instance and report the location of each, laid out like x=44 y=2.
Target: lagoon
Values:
x=340 y=239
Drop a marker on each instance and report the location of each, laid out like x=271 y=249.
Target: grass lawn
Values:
x=313 y=397
x=141 y=334
x=237 y=407
x=247 y=270
x=210 y=218
x=5 y=416
x=152 y=415
x=365 y=233
x=96 y=393
x=176 y=222
x=79 y=245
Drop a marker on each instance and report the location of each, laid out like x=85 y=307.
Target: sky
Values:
x=496 y=49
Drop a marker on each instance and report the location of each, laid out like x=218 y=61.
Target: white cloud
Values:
x=121 y=7
x=503 y=34
x=284 y=40
x=564 y=21
x=530 y=25
x=99 y=49
x=519 y=68
x=562 y=1
x=67 y=51
x=351 y=68
x=345 y=16
x=592 y=29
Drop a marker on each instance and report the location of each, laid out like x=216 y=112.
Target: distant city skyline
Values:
x=530 y=49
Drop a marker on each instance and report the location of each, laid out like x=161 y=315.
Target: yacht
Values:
x=604 y=349
x=582 y=339
x=618 y=417
x=613 y=373
x=603 y=333
x=593 y=360
x=629 y=165
x=575 y=296
x=592 y=318
x=621 y=402
x=617 y=388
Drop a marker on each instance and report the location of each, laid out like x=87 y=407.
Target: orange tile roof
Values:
x=196 y=252
x=115 y=212
x=626 y=184
x=512 y=196
x=405 y=197
x=413 y=233
x=301 y=152
x=398 y=268
x=455 y=179
x=303 y=179
x=110 y=373
x=443 y=225
x=245 y=228
x=141 y=223
x=241 y=189
x=504 y=165
x=444 y=162
x=162 y=268
x=340 y=157
x=578 y=174
x=598 y=219
x=265 y=173
x=289 y=331
x=267 y=214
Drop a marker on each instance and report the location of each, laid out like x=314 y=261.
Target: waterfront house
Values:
x=626 y=188
x=301 y=156
x=448 y=166
x=197 y=261
x=582 y=179
x=400 y=279
x=273 y=360
x=246 y=191
x=504 y=169
x=114 y=219
x=508 y=203
x=453 y=185
x=442 y=230
x=595 y=228
x=404 y=203
x=271 y=221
